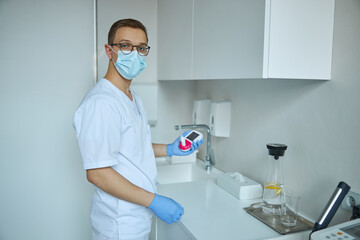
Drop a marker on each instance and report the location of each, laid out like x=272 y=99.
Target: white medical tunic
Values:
x=113 y=131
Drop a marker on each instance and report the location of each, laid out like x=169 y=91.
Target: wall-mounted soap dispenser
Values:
x=220 y=119
x=201 y=111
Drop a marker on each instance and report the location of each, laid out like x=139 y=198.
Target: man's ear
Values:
x=108 y=50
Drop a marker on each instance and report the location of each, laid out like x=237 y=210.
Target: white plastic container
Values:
x=240 y=186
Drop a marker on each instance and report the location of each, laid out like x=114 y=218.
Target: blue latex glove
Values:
x=173 y=148
x=166 y=209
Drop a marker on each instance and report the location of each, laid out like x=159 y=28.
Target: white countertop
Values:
x=212 y=213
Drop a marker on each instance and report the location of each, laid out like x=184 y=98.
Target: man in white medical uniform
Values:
x=115 y=144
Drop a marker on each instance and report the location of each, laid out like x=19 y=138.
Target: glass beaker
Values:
x=274 y=181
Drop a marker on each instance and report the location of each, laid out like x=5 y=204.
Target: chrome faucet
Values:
x=209 y=158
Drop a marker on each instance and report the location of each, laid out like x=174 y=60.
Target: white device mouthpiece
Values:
x=182 y=139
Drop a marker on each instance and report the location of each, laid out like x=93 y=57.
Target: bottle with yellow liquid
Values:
x=274 y=181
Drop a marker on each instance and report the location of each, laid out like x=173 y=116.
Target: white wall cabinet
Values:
x=298 y=39
x=228 y=39
x=235 y=39
x=175 y=39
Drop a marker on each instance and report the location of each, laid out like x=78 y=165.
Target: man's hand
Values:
x=173 y=148
x=166 y=209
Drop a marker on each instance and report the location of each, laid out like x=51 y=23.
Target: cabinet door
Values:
x=228 y=39
x=175 y=29
x=299 y=39
x=109 y=11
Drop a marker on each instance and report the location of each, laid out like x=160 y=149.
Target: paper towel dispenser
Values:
x=220 y=119
x=201 y=111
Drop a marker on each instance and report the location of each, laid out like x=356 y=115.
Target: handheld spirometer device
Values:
x=188 y=139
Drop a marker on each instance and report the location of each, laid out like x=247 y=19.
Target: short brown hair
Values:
x=128 y=22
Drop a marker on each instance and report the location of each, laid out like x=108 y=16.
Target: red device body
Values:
x=185 y=147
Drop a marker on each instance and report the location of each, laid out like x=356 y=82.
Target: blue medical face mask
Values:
x=129 y=65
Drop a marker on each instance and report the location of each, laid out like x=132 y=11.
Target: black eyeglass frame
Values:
x=132 y=48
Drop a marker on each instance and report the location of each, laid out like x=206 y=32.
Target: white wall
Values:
x=318 y=120
x=45 y=69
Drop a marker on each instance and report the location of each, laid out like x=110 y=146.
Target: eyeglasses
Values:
x=127 y=48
